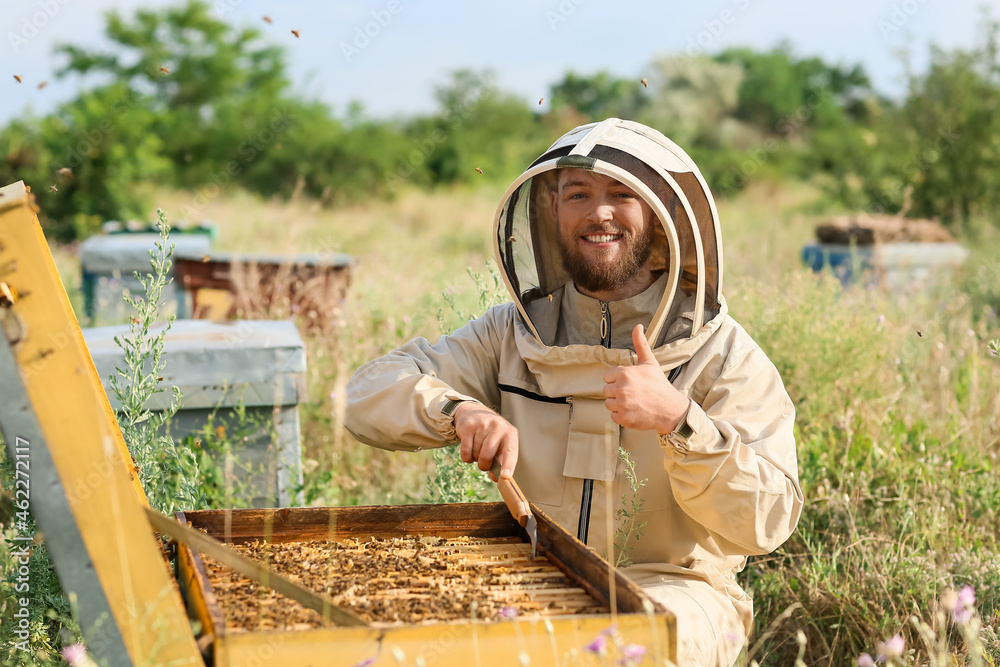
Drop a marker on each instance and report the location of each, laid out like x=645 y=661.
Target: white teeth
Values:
x=601 y=238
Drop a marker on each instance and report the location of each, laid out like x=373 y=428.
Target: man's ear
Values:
x=554 y=203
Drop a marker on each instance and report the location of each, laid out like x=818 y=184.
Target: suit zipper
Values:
x=586 y=502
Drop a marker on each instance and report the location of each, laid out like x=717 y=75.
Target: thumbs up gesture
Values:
x=641 y=397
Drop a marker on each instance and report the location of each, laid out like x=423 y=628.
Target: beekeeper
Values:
x=617 y=343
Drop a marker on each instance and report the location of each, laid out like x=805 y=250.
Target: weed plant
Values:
x=168 y=472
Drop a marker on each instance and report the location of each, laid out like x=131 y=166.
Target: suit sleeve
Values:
x=396 y=401
x=737 y=474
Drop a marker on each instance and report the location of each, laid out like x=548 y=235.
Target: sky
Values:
x=391 y=54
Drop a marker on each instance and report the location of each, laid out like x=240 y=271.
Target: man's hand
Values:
x=486 y=435
x=641 y=397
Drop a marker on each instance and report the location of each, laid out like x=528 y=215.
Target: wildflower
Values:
x=598 y=645
x=366 y=662
x=507 y=612
x=880 y=320
x=633 y=654
x=895 y=646
x=76 y=655
x=964 y=605
x=865 y=660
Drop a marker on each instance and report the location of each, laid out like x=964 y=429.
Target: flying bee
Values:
x=511 y=239
x=540 y=100
x=478 y=170
x=920 y=333
x=205 y=258
x=66 y=172
x=53 y=188
x=267 y=19
x=295 y=32
x=42 y=84
x=17 y=78
x=645 y=84
x=165 y=70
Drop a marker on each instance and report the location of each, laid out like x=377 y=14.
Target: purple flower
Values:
x=895 y=645
x=507 y=612
x=75 y=655
x=366 y=662
x=865 y=660
x=964 y=605
x=632 y=653
x=598 y=645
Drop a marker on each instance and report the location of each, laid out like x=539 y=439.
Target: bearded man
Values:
x=617 y=337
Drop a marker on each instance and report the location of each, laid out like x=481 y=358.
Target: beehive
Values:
x=547 y=608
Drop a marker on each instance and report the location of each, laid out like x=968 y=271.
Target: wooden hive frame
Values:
x=465 y=642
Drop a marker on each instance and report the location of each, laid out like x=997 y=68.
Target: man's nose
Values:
x=602 y=211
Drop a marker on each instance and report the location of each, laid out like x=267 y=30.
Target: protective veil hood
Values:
x=687 y=246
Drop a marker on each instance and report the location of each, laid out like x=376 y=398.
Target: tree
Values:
x=210 y=86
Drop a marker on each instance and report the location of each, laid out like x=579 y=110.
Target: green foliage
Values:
x=598 y=96
x=627 y=512
x=50 y=621
x=93 y=150
x=951 y=128
x=224 y=468
x=457 y=482
x=169 y=474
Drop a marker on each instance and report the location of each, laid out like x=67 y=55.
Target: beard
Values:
x=605 y=274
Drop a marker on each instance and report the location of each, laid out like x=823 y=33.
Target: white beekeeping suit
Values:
x=722 y=488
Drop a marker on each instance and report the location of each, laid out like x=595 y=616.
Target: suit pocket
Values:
x=542 y=424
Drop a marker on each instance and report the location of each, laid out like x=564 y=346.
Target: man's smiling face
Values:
x=605 y=234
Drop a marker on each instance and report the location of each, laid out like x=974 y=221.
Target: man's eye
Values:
x=577 y=195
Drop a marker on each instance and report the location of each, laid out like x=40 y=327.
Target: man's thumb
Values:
x=642 y=349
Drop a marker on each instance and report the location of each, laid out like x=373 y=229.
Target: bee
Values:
x=42 y=84
x=920 y=333
x=478 y=170
x=53 y=188
x=165 y=70
x=267 y=19
x=17 y=78
x=66 y=172
x=511 y=239
x=550 y=297
x=645 y=84
x=27 y=188
x=295 y=32
x=205 y=258
x=540 y=100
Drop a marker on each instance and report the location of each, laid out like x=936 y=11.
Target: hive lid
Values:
x=130 y=252
x=317 y=259
x=253 y=362
x=84 y=493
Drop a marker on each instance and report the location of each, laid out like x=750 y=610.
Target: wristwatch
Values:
x=678 y=438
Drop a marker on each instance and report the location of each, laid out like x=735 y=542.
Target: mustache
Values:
x=604 y=229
